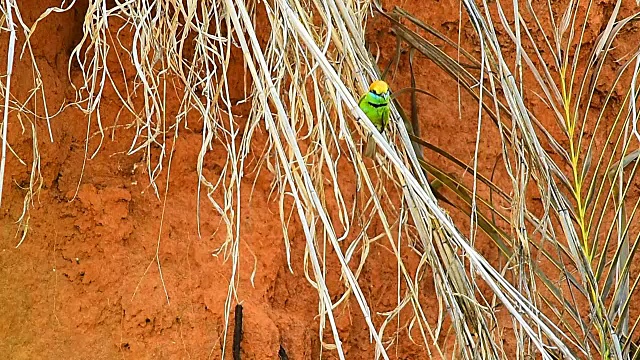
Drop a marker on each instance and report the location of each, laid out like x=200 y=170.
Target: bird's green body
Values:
x=375 y=104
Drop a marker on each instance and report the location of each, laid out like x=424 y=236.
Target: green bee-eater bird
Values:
x=375 y=104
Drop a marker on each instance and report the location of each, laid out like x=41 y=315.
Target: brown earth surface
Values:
x=84 y=284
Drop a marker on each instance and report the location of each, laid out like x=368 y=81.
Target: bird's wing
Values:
x=385 y=116
x=361 y=99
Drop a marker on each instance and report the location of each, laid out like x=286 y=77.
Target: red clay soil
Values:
x=84 y=283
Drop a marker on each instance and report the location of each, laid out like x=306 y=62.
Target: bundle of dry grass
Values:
x=302 y=83
x=574 y=261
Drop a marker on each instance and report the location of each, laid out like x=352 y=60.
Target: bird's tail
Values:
x=370 y=150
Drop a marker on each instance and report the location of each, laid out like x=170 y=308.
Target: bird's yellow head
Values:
x=379 y=88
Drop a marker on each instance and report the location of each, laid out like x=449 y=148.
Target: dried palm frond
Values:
x=585 y=238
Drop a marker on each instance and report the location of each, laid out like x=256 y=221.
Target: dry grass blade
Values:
x=8 y=10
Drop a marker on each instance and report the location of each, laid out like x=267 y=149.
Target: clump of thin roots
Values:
x=303 y=84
